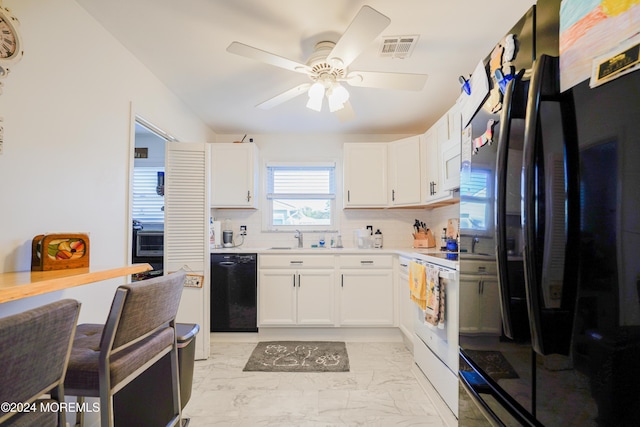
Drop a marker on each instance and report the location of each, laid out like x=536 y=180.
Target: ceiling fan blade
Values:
x=267 y=57
x=364 y=28
x=284 y=96
x=400 y=81
x=346 y=113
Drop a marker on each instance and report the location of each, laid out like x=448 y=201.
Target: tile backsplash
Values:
x=396 y=226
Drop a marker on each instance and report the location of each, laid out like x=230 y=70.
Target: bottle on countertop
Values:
x=377 y=239
x=443 y=240
x=212 y=236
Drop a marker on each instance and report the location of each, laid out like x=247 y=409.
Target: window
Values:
x=300 y=196
x=476 y=201
x=148 y=206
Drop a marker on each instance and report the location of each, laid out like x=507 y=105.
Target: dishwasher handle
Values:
x=227 y=263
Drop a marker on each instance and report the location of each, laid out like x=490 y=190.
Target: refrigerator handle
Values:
x=551 y=324
x=513 y=107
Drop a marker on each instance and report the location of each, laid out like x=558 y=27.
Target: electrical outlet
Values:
x=555 y=291
x=243 y=230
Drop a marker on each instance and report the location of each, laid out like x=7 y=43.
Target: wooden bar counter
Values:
x=24 y=284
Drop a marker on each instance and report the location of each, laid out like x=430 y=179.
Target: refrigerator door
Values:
x=606 y=340
x=550 y=215
x=495 y=371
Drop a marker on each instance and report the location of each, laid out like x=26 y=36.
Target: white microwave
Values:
x=150 y=243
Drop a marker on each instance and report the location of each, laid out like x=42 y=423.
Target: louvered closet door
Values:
x=186 y=230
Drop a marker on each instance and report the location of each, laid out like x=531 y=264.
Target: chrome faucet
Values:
x=473 y=243
x=299 y=237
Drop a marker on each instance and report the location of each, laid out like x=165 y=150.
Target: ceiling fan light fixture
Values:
x=337 y=96
x=334 y=104
x=316 y=94
x=341 y=92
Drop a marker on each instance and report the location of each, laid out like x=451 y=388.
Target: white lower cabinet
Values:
x=366 y=290
x=479 y=293
x=326 y=290
x=296 y=296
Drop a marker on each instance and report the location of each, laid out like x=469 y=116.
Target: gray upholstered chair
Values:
x=34 y=349
x=140 y=330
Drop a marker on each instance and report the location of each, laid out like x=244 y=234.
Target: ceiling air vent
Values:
x=398 y=46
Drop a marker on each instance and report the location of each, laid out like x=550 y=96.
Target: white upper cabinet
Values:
x=365 y=175
x=440 y=157
x=234 y=175
x=450 y=152
x=421 y=170
x=430 y=168
x=404 y=172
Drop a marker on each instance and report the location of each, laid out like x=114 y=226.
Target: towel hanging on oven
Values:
x=418 y=284
x=435 y=295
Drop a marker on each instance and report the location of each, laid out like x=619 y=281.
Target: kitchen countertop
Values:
x=429 y=255
x=23 y=284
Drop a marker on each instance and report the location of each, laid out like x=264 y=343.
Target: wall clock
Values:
x=10 y=43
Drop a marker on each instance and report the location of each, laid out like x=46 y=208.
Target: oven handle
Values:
x=478 y=382
x=447 y=274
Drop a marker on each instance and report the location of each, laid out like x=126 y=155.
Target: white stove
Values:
x=435 y=348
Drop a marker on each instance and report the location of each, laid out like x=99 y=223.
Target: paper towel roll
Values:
x=217 y=234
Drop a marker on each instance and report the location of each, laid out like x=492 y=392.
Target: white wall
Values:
x=396 y=225
x=67 y=127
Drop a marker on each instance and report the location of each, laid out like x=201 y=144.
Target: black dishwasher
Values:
x=234 y=292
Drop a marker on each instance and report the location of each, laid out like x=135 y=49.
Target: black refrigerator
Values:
x=552 y=196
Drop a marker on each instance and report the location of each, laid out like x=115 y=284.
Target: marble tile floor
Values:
x=379 y=390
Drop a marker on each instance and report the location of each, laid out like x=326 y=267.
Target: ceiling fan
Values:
x=327 y=67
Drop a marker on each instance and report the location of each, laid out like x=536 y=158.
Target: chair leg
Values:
x=58 y=394
x=80 y=414
x=106 y=410
x=175 y=380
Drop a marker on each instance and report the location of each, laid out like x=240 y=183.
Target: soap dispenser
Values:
x=377 y=239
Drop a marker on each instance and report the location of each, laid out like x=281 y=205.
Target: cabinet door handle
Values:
x=342 y=280
x=294 y=280
x=296 y=262
x=393 y=195
x=366 y=262
x=248 y=195
x=348 y=195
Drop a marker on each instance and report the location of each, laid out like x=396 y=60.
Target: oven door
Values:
x=436 y=348
x=442 y=340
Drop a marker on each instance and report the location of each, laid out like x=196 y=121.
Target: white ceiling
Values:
x=184 y=44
